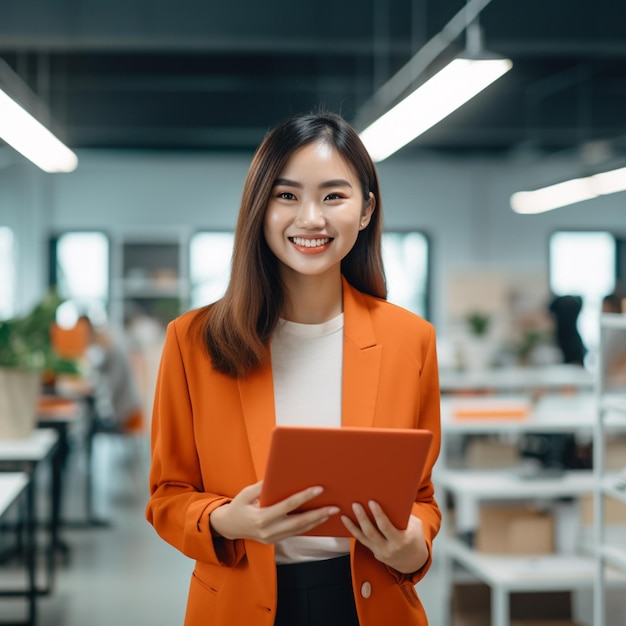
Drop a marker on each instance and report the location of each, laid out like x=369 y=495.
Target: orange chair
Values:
x=70 y=343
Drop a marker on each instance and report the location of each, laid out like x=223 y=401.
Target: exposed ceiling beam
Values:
x=177 y=83
x=139 y=43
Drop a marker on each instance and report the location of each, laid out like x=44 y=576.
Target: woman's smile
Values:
x=311 y=245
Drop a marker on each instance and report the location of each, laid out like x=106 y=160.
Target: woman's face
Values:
x=315 y=212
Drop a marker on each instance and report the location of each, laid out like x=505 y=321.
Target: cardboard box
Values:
x=614 y=511
x=615 y=453
x=514 y=530
x=491 y=454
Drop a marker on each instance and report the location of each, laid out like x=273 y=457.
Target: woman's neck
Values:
x=313 y=299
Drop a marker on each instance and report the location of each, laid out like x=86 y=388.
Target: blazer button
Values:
x=366 y=590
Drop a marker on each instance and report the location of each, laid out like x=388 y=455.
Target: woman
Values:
x=303 y=335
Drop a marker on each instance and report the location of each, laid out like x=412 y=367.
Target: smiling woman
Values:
x=303 y=335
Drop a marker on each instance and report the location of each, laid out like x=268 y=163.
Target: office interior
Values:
x=162 y=159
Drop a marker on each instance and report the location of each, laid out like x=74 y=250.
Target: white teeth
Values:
x=310 y=243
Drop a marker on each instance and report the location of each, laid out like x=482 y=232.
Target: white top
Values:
x=307 y=368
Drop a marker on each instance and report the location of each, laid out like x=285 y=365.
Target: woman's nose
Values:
x=310 y=215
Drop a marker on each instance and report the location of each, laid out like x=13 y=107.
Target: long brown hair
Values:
x=236 y=329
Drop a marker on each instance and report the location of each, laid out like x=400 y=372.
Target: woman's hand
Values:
x=244 y=518
x=403 y=550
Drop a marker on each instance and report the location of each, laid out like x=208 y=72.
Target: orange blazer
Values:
x=211 y=435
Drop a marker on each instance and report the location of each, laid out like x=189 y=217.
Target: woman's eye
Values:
x=334 y=196
x=285 y=195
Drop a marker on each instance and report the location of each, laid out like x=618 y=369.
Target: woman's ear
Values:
x=368 y=211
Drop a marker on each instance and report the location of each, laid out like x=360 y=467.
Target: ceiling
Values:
x=205 y=75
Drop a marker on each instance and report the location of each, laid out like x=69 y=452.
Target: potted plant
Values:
x=478 y=323
x=26 y=360
x=478 y=349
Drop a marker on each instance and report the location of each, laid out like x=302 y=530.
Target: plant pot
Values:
x=19 y=391
x=478 y=353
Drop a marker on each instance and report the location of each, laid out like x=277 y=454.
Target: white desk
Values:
x=572 y=412
x=516 y=378
x=550 y=413
x=509 y=574
x=26 y=455
x=12 y=486
x=34 y=449
x=470 y=487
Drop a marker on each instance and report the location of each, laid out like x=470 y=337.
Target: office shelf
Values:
x=614 y=485
x=610 y=416
x=150 y=277
x=553 y=412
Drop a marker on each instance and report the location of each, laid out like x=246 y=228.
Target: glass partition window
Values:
x=7 y=273
x=82 y=271
x=209 y=265
x=405 y=256
x=584 y=264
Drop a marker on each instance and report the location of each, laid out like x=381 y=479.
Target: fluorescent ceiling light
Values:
x=32 y=139
x=439 y=96
x=569 y=192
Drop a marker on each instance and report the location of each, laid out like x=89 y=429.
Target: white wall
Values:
x=24 y=207
x=461 y=203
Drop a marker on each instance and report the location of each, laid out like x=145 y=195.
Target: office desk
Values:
x=59 y=414
x=13 y=487
x=511 y=416
x=516 y=379
x=26 y=455
x=74 y=400
x=550 y=414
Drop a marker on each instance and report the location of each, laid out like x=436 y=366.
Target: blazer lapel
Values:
x=257 y=401
x=361 y=361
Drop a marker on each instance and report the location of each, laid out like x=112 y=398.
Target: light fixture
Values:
x=569 y=192
x=459 y=81
x=453 y=86
x=24 y=133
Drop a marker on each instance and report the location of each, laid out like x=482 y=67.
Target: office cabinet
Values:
x=150 y=277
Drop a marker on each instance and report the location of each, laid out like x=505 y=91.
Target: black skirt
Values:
x=317 y=593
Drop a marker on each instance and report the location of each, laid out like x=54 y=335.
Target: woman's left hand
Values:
x=403 y=550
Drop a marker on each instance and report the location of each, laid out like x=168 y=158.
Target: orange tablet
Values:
x=352 y=464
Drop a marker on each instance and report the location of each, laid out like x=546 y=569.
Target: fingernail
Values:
x=333 y=510
x=317 y=490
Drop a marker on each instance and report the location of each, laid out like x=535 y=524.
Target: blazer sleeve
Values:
x=178 y=507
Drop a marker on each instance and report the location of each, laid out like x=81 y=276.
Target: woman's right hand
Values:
x=244 y=518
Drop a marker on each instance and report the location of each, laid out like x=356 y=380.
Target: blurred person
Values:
x=302 y=328
x=117 y=399
x=565 y=311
